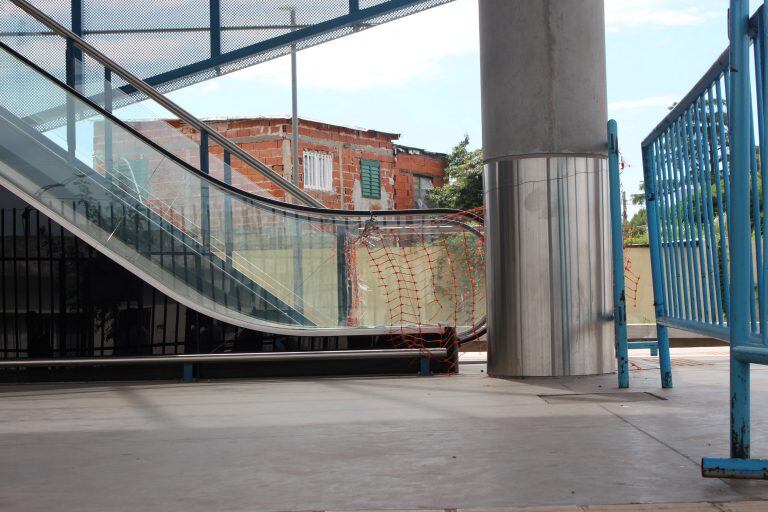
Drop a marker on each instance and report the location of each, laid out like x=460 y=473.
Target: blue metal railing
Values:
x=660 y=346
x=706 y=198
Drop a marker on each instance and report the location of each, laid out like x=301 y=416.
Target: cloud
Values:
x=639 y=13
x=650 y=102
x=390 y=55
x=210 y=87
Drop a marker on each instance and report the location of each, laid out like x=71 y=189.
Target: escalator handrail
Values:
x=471 y=221
x=152 y=93
x=250 y=197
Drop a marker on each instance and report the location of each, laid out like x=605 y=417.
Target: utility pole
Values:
x=624 y=207
x=298 y=252
x=294 y=103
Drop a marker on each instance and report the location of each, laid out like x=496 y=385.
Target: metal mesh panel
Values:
x=28 y=37
x=152 y=38
x=364 y=4
x=59 y=10
x=113 y=16
x=24 y=34
x=159 y=38
x=151 y=53
x=266 y=19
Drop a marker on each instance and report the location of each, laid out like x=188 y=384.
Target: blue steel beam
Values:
x=215 y=21
x=734 y=468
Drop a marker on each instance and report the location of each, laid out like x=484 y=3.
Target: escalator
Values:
x=245 y=248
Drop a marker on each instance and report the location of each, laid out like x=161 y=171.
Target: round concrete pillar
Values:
x=546 y=187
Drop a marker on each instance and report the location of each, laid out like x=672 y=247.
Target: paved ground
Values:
x=375 y=443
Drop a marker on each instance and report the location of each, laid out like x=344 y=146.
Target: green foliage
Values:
x=464 y=189
x=640 y=219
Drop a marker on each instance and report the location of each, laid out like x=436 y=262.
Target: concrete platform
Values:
x=462 y=442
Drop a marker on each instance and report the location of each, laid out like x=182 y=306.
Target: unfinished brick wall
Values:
x=410 y=162
x=269 y=140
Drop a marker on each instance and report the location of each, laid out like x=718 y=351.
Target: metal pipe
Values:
x=662 y=335
x=617 y=246
x=326 y=355
x=298 y=253
x=182 y=114
x=739 y=224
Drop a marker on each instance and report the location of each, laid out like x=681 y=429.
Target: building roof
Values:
x=287 y=117
x=399 y=148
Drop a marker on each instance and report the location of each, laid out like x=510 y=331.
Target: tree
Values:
x=464 y=189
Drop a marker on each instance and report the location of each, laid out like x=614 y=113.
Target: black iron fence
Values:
x=61 y=298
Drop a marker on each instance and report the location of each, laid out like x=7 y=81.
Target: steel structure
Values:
x=194 y=203
x=173 y=46
x=659 y=346
x=706 y=198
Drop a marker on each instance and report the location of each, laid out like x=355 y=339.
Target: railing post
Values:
x=342 y=279
x=739 y=224
x=74 y=76
x=188 y=372
x=617 y=251
x=651 y=207
x=424 y=366
x=228 y=217
x=107 y=124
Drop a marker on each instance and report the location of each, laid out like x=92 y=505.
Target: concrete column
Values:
x=546 y=187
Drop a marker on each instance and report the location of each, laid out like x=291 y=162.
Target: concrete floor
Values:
x=372 y=443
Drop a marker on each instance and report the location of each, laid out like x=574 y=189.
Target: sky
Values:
x=420 y=76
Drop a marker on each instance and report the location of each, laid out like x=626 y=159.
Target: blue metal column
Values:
x=651 y=206
x=229 y=245
x=740 y=245
x=107 y=125
x=617 y=248
x=739 y=228
x=205 y=213
x=215 y=22
x=424 y=366
x=343 y=285
x=74 y=76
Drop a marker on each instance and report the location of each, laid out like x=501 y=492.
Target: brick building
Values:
x=343 y=167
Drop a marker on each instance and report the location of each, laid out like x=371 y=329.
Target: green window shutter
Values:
x=370 y=179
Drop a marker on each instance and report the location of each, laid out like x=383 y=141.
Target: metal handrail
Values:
x=152 y=93
x=311 y=206
x=715 y=70
x=298 y=211
x=324 y=355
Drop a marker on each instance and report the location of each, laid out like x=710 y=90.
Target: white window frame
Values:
x=318 y=171
x=417 y=178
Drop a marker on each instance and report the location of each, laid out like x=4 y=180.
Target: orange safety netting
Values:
x=428 y=281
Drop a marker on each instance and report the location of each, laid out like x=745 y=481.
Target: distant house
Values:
x=343 y=167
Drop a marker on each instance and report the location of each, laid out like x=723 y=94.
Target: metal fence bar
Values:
x=706 y=215
x=723 y=199
x=684 y=220
x=753 y=199
x=705 y=119
x=689 y=148
x=740 y=237
x=666 y=241
x=671 y=225
x=760 y=85
x=617 y=251
x=651 y=205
